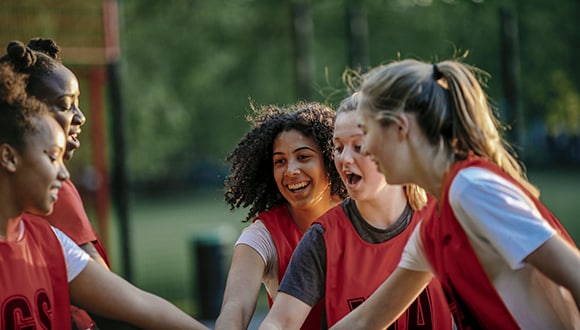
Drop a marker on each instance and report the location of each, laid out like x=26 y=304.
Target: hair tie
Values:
x=436 y=73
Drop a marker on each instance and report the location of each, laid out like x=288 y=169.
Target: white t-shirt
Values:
x=257 y=236
x=75 y=257
x=504 y=227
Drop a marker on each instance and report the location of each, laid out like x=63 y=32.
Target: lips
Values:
x=298 y=186
x=54 y=193
x=353 y=179
x=73 y=141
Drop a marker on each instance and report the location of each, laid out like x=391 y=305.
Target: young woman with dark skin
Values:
x=41 y=266
x=53 y=83
x=282 y=171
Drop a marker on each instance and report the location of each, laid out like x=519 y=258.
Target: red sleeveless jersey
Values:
x=70 y=217
x=33 y=282
x=286 y=236
x=474 y=302
x=355 y=269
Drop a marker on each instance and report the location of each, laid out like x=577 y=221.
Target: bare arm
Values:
x=104 y=293
x=559 y=261
x=288 y=312
x=90 y=249
x=388 y=302
x=242 y=289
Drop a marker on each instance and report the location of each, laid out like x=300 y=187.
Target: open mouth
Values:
x=353 y=179
x=298 y=186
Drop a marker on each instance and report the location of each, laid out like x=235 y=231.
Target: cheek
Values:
x=63 y=120
x=370 y=144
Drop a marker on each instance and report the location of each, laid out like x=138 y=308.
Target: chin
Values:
x=68 y=155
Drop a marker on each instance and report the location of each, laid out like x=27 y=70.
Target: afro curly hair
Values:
x=250 y=182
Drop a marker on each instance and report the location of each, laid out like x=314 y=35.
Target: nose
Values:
x=78 y=116
x=293 y=168
x=63 y=173
x=346 y=156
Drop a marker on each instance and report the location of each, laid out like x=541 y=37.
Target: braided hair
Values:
x=37 y=60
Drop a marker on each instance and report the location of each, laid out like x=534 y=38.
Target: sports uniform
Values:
x=35 y=272
x=70 y=217
x=342 y=260
x=491 y=224
x=274 y=235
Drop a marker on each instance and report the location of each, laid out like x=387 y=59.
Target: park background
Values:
x=167 y=92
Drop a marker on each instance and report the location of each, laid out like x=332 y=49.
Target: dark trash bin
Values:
x=208 y=251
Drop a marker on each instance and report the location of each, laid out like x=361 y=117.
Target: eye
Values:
x=67 y=104
x=338 y=149
x=358 y=148
x=304 y=157
x=279 y=161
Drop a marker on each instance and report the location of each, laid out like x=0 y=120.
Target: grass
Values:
x=164 y=231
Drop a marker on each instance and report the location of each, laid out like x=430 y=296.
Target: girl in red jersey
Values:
x=41 y=266
x=505 y=262
x=282 y=170
x=53 y=83
x=351 y=249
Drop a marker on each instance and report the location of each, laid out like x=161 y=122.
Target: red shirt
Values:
x=473 y=300
x=356 y=268
x=286 y=235
x=33 y=281
x=70 y=217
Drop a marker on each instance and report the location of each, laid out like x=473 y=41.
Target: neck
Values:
x=431 y=163
x=305 y=216
x=384 y=210
x=10 y=229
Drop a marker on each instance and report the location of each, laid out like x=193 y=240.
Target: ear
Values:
x=8 y=157
x=404 y=125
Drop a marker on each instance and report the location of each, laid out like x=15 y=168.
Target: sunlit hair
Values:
x=416 y=196
x=37 y=60
x=19 y=113
x=250 y=182
x=450 y=105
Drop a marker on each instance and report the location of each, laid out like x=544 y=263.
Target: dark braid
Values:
x=46 y=46
x=21 y=57
x=37 y=60
x=250 y=182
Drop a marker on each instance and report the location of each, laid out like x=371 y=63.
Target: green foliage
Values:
x=191 y=68
x=564 y=106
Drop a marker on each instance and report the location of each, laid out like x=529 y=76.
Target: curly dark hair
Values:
x=37 y=60
x=17 y=109
x=250 y=182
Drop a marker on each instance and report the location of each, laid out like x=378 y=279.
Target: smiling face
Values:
x=60 y=90
x=299 y=170
x=39 y=169
x=357 y=170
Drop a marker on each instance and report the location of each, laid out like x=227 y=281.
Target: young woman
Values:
x=282 y=170
x=53 y=83
x=351 y=249
x=40 y=265
x=505 y=262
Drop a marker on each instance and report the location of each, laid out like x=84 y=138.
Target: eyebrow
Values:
x=296 y=150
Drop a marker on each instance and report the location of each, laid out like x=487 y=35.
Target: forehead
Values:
x=292 y=140
x=346 y=124
x=60 y=82
x=49 y=132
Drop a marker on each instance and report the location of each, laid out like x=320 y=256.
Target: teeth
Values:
x=297 y=185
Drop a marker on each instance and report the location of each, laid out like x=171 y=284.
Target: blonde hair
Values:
x=416 y=196
x=450 y=106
